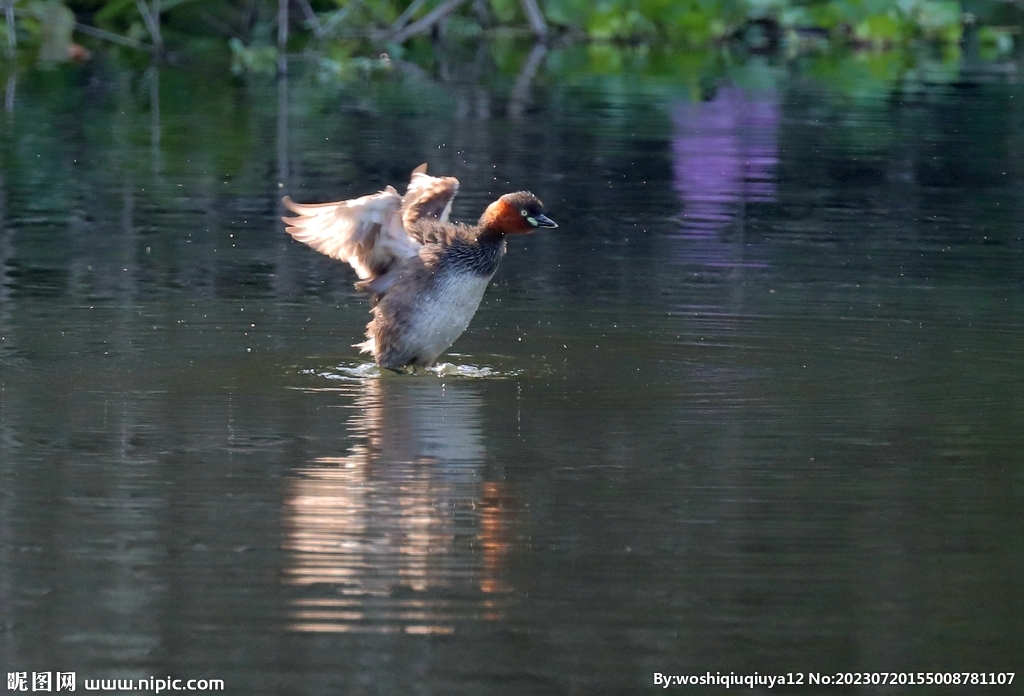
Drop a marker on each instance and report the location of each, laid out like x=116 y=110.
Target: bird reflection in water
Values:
x=401 y=534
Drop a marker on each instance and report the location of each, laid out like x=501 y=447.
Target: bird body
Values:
x=426 y=275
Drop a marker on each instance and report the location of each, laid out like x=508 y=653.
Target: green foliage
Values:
x=994 y=42
x=57 y=23
x=252 y=59
x=115 y=13
x=507 y=11
x=564 y=13
x=247 y=27
x=939 y=19
x=880 y=23
x=615 y=20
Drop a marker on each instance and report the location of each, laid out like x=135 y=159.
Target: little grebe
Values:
x=426 y=275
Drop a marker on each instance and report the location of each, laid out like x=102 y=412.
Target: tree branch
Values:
x=152 y=21
x=404 y=18
x=110 y=36
x=424 y=23
x=311 y=18
x=536 y=18
x=12 y=36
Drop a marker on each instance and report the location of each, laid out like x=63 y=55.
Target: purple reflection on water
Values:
x=724 y=156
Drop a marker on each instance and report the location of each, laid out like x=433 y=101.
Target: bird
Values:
x=424 y=274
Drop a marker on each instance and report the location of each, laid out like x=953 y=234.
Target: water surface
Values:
x=756 y=405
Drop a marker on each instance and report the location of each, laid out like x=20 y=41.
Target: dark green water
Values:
x=756 y=405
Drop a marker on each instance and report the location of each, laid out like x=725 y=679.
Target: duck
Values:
x=425 y=275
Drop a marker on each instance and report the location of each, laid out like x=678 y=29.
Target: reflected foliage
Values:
x=257 y=30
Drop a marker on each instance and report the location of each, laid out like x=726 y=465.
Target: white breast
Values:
x=446 y=312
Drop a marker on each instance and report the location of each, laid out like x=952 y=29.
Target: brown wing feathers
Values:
x=365 y=232
x=372 y=233
x=427 y=197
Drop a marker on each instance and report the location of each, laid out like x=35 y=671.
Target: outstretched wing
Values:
x=365 y=232
x=427 y=197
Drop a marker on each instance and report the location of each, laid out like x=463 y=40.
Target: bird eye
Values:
x=523 y=212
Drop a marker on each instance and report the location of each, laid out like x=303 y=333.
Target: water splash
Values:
x=345 y=373
x=365 y=371
x=471 y=371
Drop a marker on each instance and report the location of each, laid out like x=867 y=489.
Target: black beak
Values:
x=544 y=221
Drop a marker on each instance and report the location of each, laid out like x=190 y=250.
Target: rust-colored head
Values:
x=515 y=213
